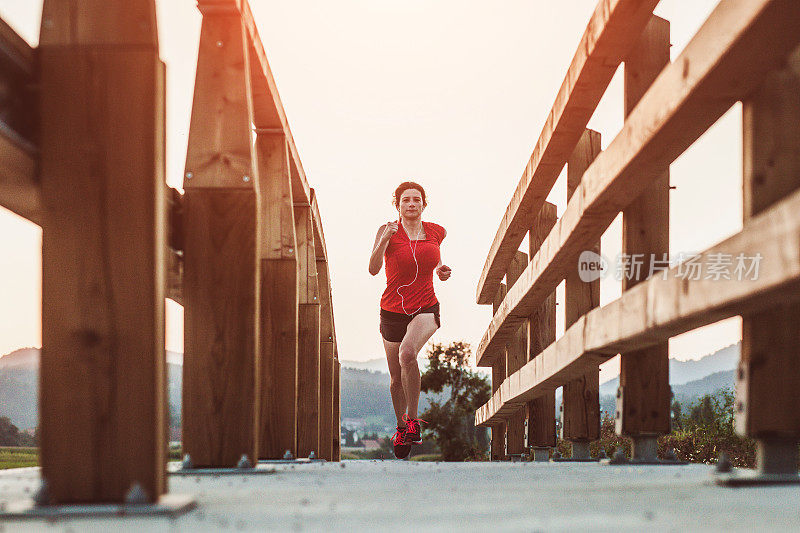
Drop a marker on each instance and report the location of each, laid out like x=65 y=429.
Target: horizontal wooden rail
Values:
x=724 y=62
x=657 y=309
x=319 y=236
x=614 y=26
x=268 y=113
x=19 y=117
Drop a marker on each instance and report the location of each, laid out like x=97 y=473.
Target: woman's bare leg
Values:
x=419 y=331
x=396 y=385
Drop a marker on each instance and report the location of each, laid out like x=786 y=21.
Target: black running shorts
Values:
x=393 y=325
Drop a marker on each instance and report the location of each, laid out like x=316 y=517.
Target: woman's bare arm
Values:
x=385 y=233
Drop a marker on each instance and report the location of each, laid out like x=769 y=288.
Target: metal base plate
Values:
x=167 y=505
x=751 y=479
x=637 y=462
x=571 y=460
x=303 y=460
x=221 y=471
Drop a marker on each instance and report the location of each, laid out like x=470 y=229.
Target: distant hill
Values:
x=19 y=388
x=375 y=365
x=681 y=372
x=364 y=393
x=688 y=392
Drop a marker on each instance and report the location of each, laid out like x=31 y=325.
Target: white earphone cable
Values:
x=416 y=273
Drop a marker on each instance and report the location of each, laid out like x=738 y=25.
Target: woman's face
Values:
x=410 y=205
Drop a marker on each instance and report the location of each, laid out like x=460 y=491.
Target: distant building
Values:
x=370 y=444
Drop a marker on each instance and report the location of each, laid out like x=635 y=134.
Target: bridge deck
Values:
x=386 y=495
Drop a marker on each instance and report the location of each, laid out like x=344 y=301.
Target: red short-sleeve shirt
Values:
x=409 y=284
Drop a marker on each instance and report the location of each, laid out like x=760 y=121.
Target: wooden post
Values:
x=220 y=292
x=326 y=373
x=102 y=380
x=768 y=381
x=308 y=341
x=337 y=441
x=581 y=396
x=279 y=298
x=643 y=399
x=516 y=357
x=498 y=446
x=542 y=333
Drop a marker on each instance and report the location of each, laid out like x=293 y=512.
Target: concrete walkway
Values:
x=410 y=496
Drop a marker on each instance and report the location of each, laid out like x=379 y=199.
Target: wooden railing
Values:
x=82 y=147
x=745 y=51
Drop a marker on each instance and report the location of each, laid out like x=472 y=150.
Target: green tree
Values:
x=452 y=423
x=10 y=435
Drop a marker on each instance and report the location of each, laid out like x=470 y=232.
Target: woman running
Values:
x=409 y=308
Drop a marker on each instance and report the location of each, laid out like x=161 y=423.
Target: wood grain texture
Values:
x=280 y=293
x=267 y=105
x=276 y=206
x=657 y=309
x=102 y=376
x=99 y=23
x=308 y=337
x=279 y=336
x=220 y=369
x=768 y=380
x=308 y=380
x=320 y=248
x=326 y=358
x=337 y=441
x=541 y=333
x=644 y=396
x=613 y=28
x=20 y=191
x=516 y=356
x=580 y=417
x=219 y=152
x=725 y=61
x=498 y=442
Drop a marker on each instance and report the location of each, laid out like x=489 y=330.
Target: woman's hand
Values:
x=391 y=229
x=443 y=271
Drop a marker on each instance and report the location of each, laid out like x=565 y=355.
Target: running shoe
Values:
x=401 y=447
x=413 y=434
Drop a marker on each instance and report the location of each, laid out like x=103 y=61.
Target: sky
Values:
x=449 y=93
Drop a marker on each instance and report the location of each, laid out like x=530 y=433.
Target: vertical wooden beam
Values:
x=498 y=446
x=221 y=339
x=308 y=340
x=337 y=446
x=279 y=298
x=643 y=404
x=326 y=373
x=768 y=381
x=516 y=357
x=581 y=396
x=102 y=380
x=542 y=333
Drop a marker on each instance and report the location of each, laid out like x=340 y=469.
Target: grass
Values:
x=17 y=457
x=428 y=457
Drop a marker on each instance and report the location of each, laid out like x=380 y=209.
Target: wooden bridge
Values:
x=746 y=51
x=82 y=147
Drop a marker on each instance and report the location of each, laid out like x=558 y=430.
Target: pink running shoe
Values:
x=401 y=447
x=413 y=434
